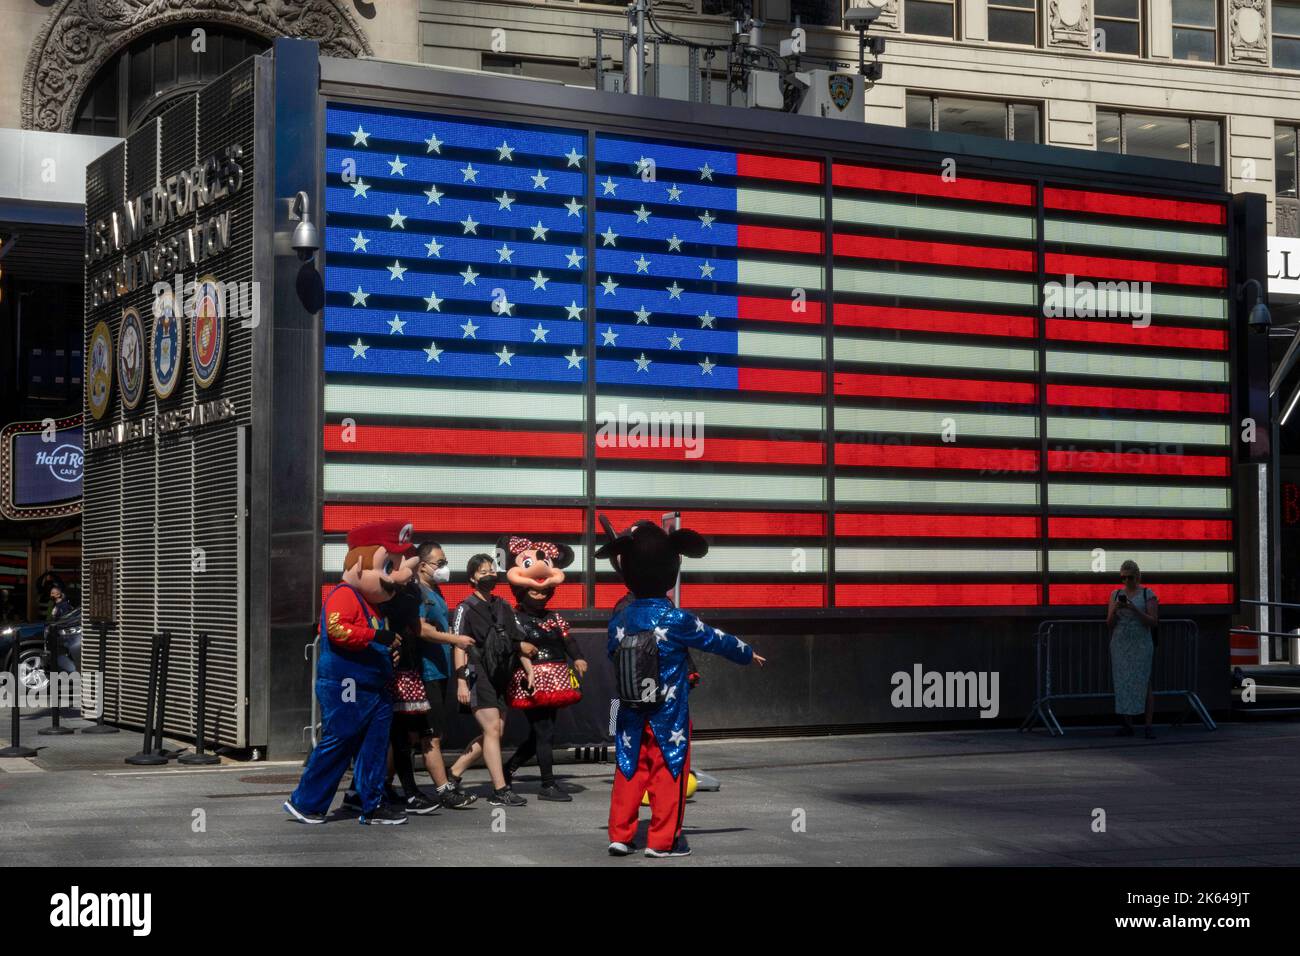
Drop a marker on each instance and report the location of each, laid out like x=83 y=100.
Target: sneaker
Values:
x=679 y=848
x=301 y=817
x=505 y=797
x=622 y=849
x=458 y=786
x=454 y=799
x=383 y=814
x=352 y=801
x=420 y=805
x=554 y=793
x=392 y=796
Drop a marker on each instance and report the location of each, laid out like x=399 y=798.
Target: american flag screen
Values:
x=869 y=386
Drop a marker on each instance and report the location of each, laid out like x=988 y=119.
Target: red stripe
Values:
x=778 y=168
x=934 y=253
x=783 y=240
x=1125 y=333
x=1138 y=529
x=936 y=456
x=932 y=184
x=1149 y=399
x=933 y=320
x=937 y=595
x=727 y=523
x=951 y=389
x=935 y=526
x=780 y=380
x=432 y=520
x=1167 y=594
x=746 y=450
x=732 y=595
x=1136 y=270
x=474 y=442
x=1137 y=463
x=1143 y=207
x=779 y=310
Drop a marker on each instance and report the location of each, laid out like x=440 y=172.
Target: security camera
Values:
x=305 y=241
x=861 y=18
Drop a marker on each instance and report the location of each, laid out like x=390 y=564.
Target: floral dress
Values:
x=1131 y=649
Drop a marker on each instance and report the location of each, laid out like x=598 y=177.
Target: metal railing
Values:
x=1072 y=662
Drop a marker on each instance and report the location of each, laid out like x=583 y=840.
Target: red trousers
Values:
x=667 y=797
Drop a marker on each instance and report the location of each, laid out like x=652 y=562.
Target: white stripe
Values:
x=1189 y=306
x=772 y=202
x=1112 y=365
x=458 y=554
x=452 y=402
x=638 y=485
x=763 y=415
x=991 y=560
x=783 y=345
x=875 y=212
x=786 y=275
x=1137 y=496
x=1161 y=434
x=888 y=352
x=870 y=420
x=1194 y=562
x=936 y=491
x=953 y=288
x=1134 y=237
x=448 y=481
x=768 y=559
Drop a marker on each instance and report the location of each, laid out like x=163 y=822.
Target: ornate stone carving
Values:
x=1069 y=23
x=80 y=36
x=1288 y=217
x=1247 y=31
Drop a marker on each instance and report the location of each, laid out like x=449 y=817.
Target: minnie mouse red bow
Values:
x=518 y=545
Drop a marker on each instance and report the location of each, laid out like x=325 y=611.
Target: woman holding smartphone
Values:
x=1131 y=614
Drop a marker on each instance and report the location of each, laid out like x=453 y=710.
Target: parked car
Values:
x=28 y=641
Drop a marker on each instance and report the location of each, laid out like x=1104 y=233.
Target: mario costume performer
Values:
x=353 y=673
x=653 y=744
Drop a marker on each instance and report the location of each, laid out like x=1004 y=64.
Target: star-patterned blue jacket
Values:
x=677 y=631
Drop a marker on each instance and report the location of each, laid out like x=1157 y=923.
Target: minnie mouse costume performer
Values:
x=654 y=725
x=533 y=569
x=353 y=674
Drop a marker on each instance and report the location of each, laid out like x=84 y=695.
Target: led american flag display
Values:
x=868 y=386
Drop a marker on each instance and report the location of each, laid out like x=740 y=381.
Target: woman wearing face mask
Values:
x=483 y=674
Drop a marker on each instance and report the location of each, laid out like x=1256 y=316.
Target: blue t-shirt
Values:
x=435 y=659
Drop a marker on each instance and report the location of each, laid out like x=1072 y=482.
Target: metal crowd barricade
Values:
x=1072 y=662
x=311 y=732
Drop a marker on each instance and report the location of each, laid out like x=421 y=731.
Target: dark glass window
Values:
x=1117 y=27
x=1181 y=138
x=1284 y=157
x=1013 y=21
x=1108 y=132
x=952 y=114
x=817 y=13
x=1195 y=30
x=140 y=81
x=1286 y=35
x=929 y=18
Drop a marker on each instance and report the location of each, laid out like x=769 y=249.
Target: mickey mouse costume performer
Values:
x=353 y=673
x=534 y=569
x=654 y=726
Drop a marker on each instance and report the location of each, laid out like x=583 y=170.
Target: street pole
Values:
x=640 y=45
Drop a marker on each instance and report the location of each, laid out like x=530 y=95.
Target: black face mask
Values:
x=486 y=583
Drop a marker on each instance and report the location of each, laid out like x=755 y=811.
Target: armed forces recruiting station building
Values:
x=921 y=391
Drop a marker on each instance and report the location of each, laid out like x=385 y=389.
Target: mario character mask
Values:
x=381 y=559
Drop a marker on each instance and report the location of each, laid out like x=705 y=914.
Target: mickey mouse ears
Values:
x=642 y=535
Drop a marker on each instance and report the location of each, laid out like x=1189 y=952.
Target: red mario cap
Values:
x=395 y=536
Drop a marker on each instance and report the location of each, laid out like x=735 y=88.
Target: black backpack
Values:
x=636 y=664
x=498 y=651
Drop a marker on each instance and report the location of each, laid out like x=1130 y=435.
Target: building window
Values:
x=951 y=114
x=1117 y=27
x=817 y=13
x=1286 y=35
x=1196 y=24
x=1013 y=21
x=1186 y=139
x=931 y=18
x=1284 y=142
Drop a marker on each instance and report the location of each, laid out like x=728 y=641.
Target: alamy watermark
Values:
x=62 y=689
x=947 y=690
x=1082 y=300
x=631 y=428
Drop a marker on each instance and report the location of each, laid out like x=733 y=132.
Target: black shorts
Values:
x=436 y=691
x=482 y=692
x=406 y=723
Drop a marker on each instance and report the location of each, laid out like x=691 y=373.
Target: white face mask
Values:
x=443 y=574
